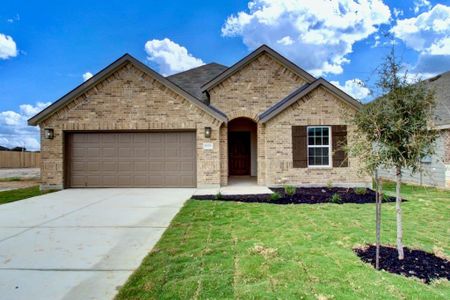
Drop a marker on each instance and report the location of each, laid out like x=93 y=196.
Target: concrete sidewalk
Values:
x=80 y=243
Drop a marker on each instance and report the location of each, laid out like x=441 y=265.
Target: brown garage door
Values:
x=156 y=159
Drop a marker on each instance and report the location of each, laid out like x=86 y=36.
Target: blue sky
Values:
x=47 y=46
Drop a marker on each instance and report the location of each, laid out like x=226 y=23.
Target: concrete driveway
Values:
x=80 y=243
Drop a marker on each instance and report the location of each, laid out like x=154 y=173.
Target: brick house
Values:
x=263 y=118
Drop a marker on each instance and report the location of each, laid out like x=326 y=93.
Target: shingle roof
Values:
x=441 y=86
x=192 y=80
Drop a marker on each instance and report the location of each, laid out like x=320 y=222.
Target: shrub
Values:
x=289 y=190
x=218 y=196
x=360 y=191
x=275 y=196
x=336 y=198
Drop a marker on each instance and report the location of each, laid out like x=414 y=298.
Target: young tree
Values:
x=369 y=122
x=398 y=126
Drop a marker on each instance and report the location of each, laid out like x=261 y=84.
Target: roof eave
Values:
x=268 y=115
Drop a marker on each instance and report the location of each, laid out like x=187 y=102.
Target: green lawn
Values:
x=20 y=194
x=223 y=250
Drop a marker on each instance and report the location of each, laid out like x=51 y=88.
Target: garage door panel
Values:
x=93 y=165
x=132 y=159
x=110 y=166
x=187 y=166
x=109 y=180
x=109 y=152
x=140 y=166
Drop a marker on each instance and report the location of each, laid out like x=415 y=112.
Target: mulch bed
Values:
x=303 y=196
x=417 y=263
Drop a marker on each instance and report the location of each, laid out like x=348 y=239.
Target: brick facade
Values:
x=320 y=107
x=254 y=88
x=129 y=100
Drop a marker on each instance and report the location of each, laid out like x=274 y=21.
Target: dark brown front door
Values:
x=239 y=153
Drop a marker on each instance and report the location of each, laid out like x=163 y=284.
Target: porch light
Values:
x=207 y=132
x=49 y=133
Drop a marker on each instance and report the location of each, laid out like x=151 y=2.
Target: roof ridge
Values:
x=195 y=68
x=252 y=55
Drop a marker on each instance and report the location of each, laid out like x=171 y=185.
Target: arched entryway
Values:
x=242 y=150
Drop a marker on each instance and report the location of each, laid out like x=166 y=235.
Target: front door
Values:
x=239 y=153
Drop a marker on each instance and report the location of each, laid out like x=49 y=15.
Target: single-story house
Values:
x=436 y=168
x=264 y=118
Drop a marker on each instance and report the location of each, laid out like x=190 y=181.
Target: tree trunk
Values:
x=398 y=208
x=378 y=199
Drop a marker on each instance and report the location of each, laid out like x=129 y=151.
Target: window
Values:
x=319 y=146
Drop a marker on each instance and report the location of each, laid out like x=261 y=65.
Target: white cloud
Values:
x=354 y=88
x=15 y=19
x=428 y=34
x=397 y=12
x=441 y=47
x=87 y=76
x=14 y=131
x=8 y=47
x=286 y=41
x=418 y=4
x=316 y=34
x=170 y=57
x=424 y=32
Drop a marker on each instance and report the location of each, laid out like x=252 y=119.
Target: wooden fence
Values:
x=16 y=159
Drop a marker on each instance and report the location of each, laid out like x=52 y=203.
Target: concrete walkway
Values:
x=237 y=185
x=80 y=243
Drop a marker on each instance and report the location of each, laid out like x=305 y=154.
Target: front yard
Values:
x=20 y=194
x=220 y=250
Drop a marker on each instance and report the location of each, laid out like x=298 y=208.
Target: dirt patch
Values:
x=417 y=263
x=266 y=252
x=304 y=196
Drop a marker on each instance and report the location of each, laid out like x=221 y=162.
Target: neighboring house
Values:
x=436 y=169
x=3 y=148
x=263 y=117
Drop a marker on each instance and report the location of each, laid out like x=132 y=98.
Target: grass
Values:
x=224 y=250
x=20 y=194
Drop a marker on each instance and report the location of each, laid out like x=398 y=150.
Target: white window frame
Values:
x=330 y=156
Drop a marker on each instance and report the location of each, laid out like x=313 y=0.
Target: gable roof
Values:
x=441 y=86
x=127 y=58
x=303 y=91
x=193 y=79
x=246 y=60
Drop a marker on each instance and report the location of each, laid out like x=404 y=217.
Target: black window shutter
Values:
x=339 y=137
x=299 y=147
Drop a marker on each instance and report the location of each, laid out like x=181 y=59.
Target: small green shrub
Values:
x=360 y=191
x=289 y=190
x=219 y=196
x=329 y=184
x=336 y=198
x=275 y=196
